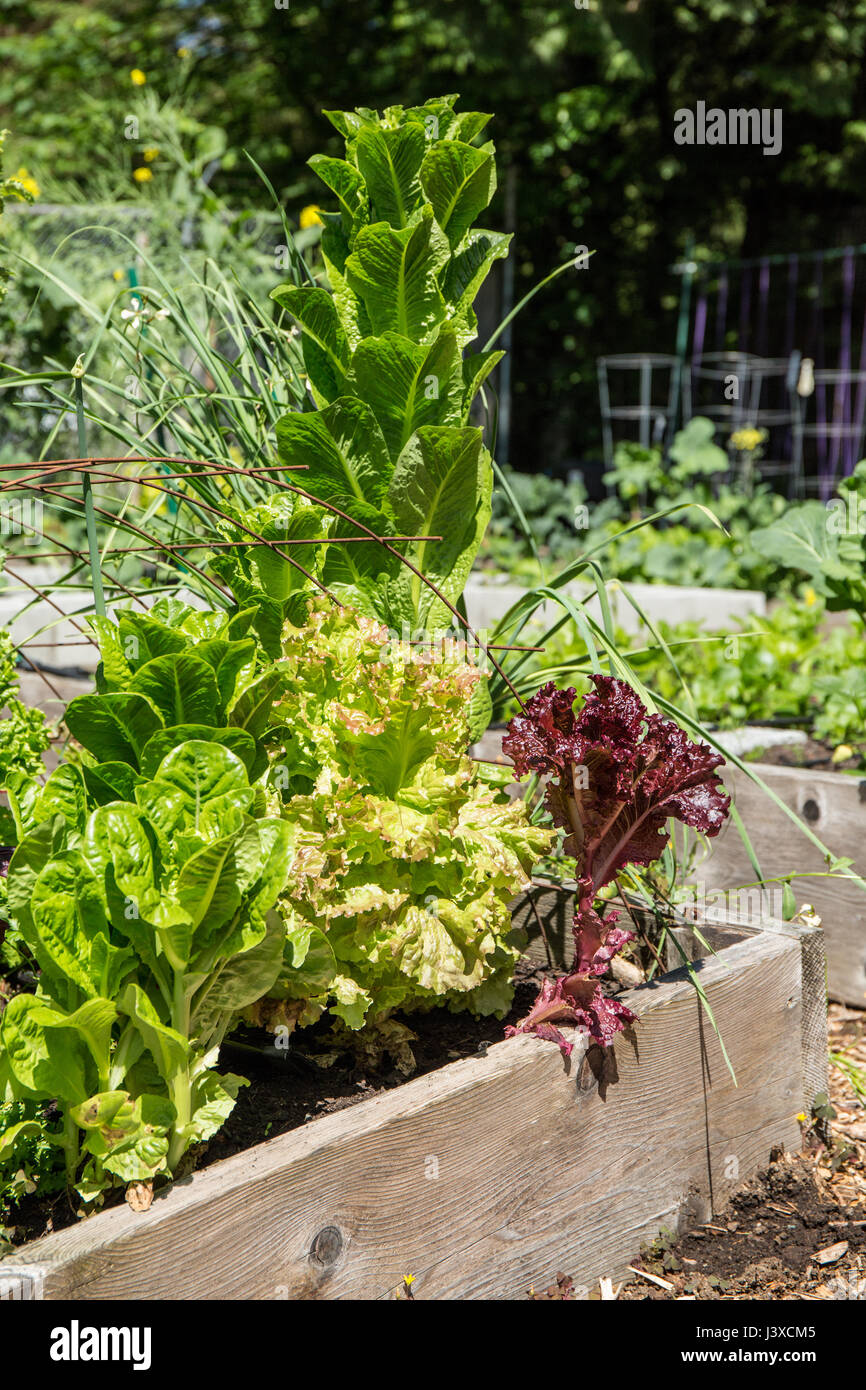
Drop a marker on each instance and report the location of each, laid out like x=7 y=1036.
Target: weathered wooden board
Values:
x=18 y=1287
x=542 y=918
x=833 y=805
x=484 y=1177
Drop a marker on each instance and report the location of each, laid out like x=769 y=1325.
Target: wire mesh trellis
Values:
x=739 y=390
x=805 y=307
x=831 y=428
x=649 y=420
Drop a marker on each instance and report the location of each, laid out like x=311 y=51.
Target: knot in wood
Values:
x=326 y=1246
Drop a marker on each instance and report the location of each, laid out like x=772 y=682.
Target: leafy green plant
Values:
x=689 y=550
x=140 y=891
x=641 y=474
x=23 y=731
x=390 y=442
x=404 y=854
x=169 y=675
x=536 y=519
x=9 y=188
x=24 y=738
x=30 y=1158
x=393 y=858
x=149 y=920
x=534 y=515
x=828 y=543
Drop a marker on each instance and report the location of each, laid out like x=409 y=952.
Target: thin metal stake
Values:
x=87 y=488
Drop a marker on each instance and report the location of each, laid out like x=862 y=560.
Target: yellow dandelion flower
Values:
x=27 y=181
x=310 y=216
x=118 y=275
x=801 y=1117
x=142 y=175
x=747 y=440
x=149 y=155
x=810 y=597
x=137 y=77
x=183 y=53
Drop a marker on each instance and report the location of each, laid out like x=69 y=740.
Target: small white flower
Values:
x=134 y=315
x=137 y=315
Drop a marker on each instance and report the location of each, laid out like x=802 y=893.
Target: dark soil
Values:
x=812 y=753
x=288 y=1087
x=798 y=1230
x=789 y=1233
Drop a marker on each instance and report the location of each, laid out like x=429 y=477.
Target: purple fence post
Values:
x=817 y=344
x=791 y=319
x=745 y=308
x=721 y=310
x=841 y=396
x=790 y=338
x=700 y=324
x=763 y=296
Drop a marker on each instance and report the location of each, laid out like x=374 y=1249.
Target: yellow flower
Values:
x=810 y=597
x=842 y=753
x=137 y=77
x=183 y=53
x=409 y=1279
x=310 y=216
x=28 y=182
x=801 y=1117
x=142 y=175
x=118 y=275
x=150 y=154
x=747 y=440
x=153 y=499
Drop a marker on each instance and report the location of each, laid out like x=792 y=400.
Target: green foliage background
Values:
x=584 y=100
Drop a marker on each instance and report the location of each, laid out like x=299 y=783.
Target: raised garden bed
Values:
x=491 y=1173
x=833 y=805
x=488 y=600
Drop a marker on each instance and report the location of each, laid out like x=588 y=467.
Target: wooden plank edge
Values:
x=110 y=1229
x=21 y=1282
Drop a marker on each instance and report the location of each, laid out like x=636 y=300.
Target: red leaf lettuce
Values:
x=616 y=774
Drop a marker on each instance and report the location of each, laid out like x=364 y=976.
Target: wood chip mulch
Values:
x=797 y=1230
